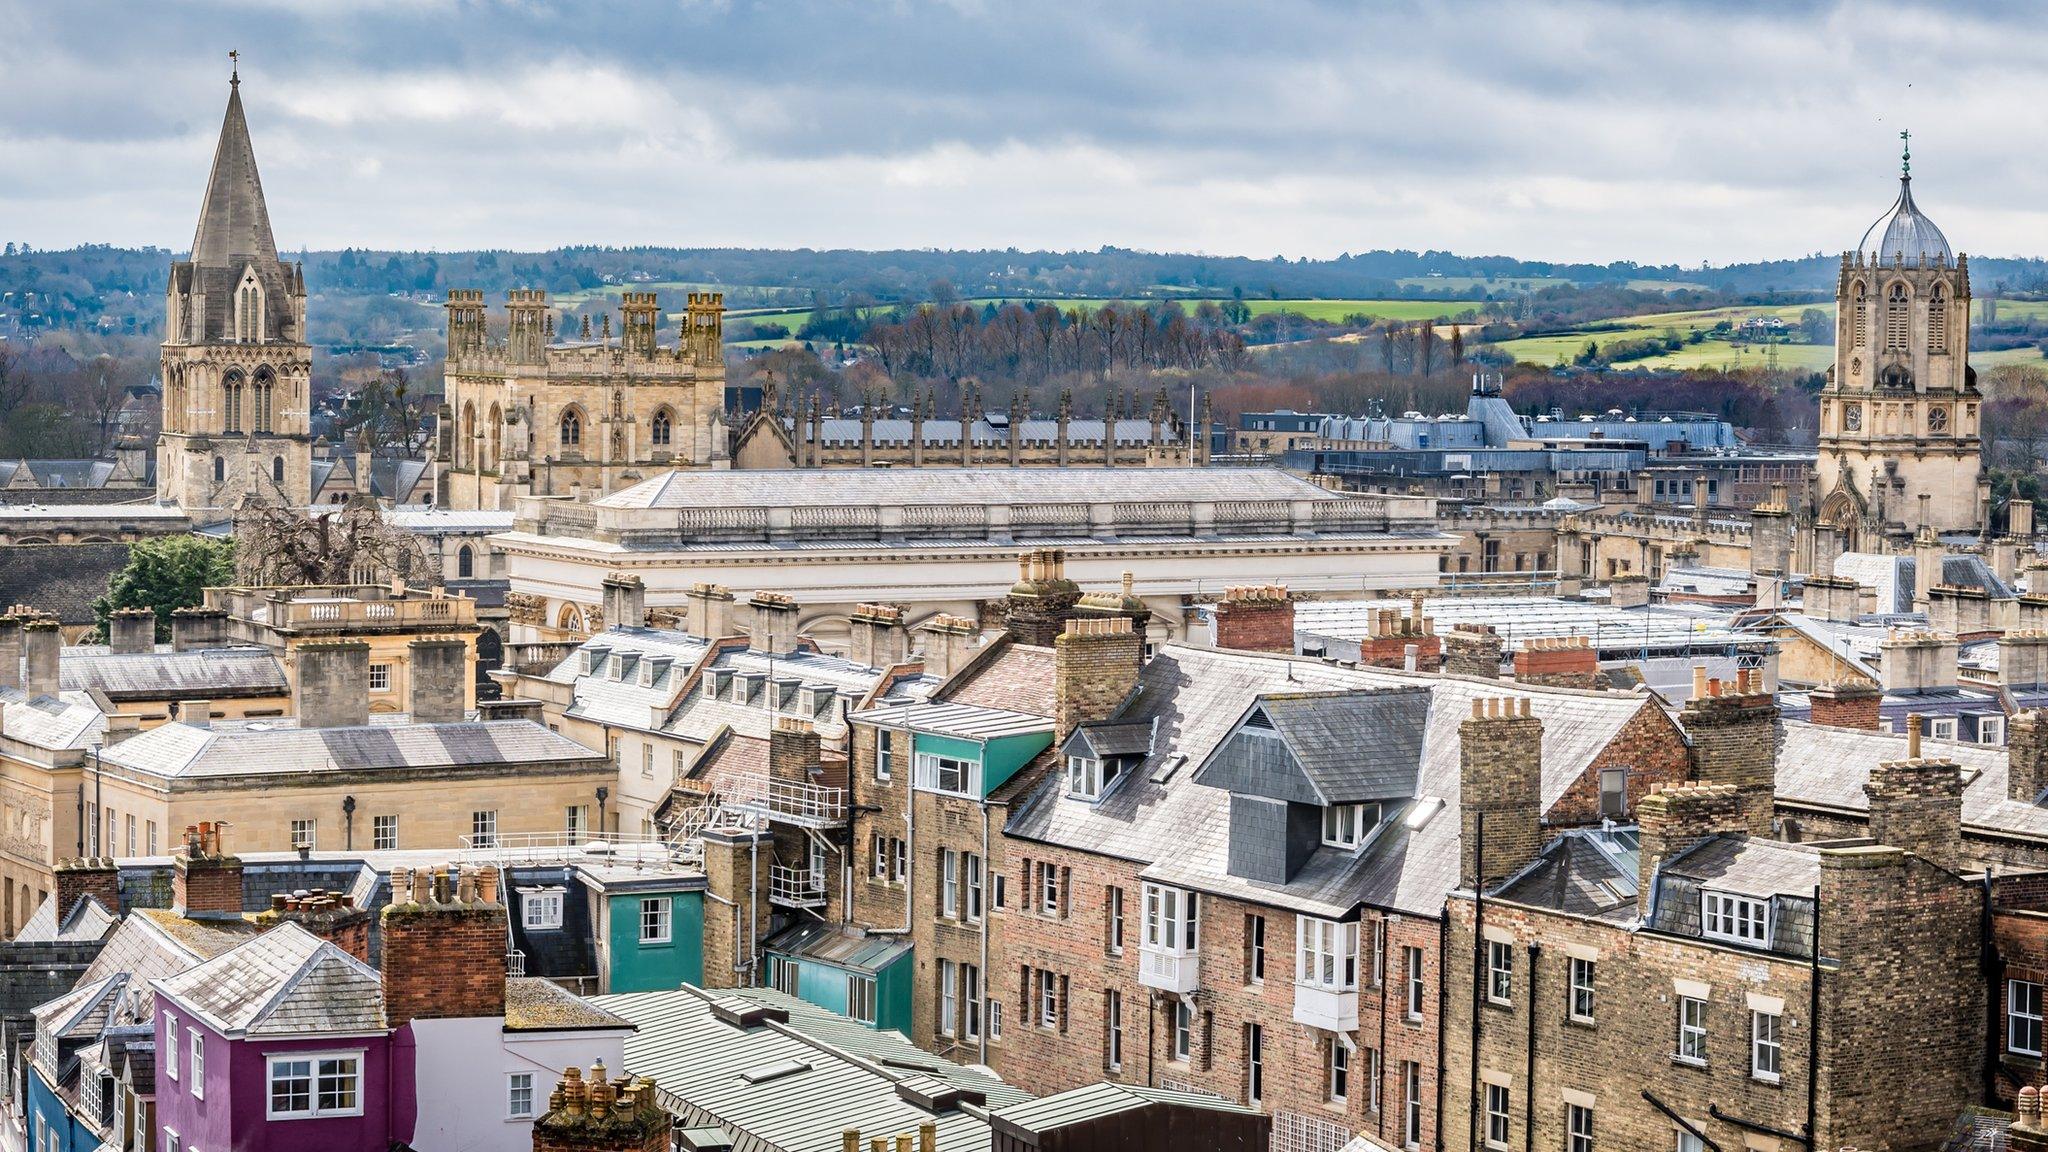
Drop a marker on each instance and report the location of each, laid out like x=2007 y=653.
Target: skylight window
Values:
x=780 y=1070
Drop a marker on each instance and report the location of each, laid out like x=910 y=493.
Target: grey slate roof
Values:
x=1584 y=872
x=65 y=722
x=1826 y=768
x=1891 y=576
x=985 y=486
x=87 y=920
x=1347 y=746
x=1179 y=830
x=989 y=434
x=217 y=673
x=260 y=748
x=844 y=1073
x=1105 y=739
x=1783 y=875
x=286 y=982
x=62 y=579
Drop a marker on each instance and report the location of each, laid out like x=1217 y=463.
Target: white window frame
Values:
x=880 y=851
x=885 y=753
x=970 y=1003
x=1255 y=961
x=1182 y=1049
x=1687 y=1142
x=305 y=833
x=1941 y=728
x=541 y=909
x=1500 y=972
x=1050 y=896
x=576 y=820
x=483 y=828
x=972 y=870
x=1326 y=954
x=1084 y=777
x=1578 y=1128
x=2022 y=1010
x=380 y=677
x=1172 y=920
x=1113 y=915
x=949 y=998
x=1416 y=1000
x=1411 y=1104
x=860 y=997
x=314 y=1078
x=515 y=1082
x=1692 y=1031
x=1379 y=952
x=933 y=769
x=1113 y=1014
x=1581 y=973
x=949 y=884
x=1498 y=1107
x=1344 y=826
x=195 y=1060
x=1735 y=919
x=1048 y=1000
x=171 y=1052
x=1336 y=1072
x=379 y=827
x=1766 y=1046
x=1373 y=1071
x=1991 y=730
x=664 y=919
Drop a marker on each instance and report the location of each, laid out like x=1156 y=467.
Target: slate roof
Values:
x=966 y=721
x=1972 y=572
x=1019 y=677
x=1784 y=875
x=179 y=750
x=1891 y=576
x=838 y=1073
x=533 y=1004
x=64 y=722
x=1179 y=830
x=86 y=920
x=1350 y=746
x=1583 y=872
x=1106 y=739
x=285 y=982
x=972 y=486
x=152 y=942
x=61 y=579
x=218 y=673
x=568 y=951
x=1826 y=768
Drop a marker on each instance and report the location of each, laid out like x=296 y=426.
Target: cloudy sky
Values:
x=1581 y=131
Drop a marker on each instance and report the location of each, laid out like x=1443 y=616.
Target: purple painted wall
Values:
x=234 y=1112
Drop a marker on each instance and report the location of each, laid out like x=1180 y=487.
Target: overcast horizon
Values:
x=1659 y=133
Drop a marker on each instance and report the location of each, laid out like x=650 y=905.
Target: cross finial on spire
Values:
x=234 y=68
x=1906 y=154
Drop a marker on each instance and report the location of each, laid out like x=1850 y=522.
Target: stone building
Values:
x=1899 y=415
x=535 y=415
x=1686 y=982
x=237 y=370
x=401 y=626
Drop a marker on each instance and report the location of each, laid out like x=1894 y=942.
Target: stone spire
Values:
x=234 y=225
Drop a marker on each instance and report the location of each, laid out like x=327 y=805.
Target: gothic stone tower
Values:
x=237 y=372
x=533 y=415
x=1898 y=418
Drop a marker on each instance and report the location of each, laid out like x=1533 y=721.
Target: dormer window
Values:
x=541 y=908
x=1089 y=778
x=1736 y=919
x=1345 y=825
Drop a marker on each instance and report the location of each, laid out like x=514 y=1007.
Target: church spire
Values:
x=234 y=226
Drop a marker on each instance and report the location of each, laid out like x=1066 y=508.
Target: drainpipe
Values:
x=754 y=908
x=1379 y=1082
x=1529 y=1090
x=1478 y=979
x=1813 y=1026
x=1994 y=986
x=982 y=988
x=348 y=823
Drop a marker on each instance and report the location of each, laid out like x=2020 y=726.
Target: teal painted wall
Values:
x=637 y=967
x=825 y=985
x=1007 y=754
x=999 y=758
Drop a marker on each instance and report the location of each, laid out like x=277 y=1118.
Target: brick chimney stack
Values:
x=1733 y=734
x=195 y=628
x=1558 y=662
x=93 y=876
x=41 y=642
x=333 y=683
x=1392 y=635
x=879 y=638
x=437 y=680
x=206 y=882
x=1500 y=759
x=1259 y=618
x=1676 y=818
x=328 y=915
x=793 y=750
x=1472 y=650
x=131 y=631
x=603 y=1115
x=1917 y=803
x=625 y=601
x=445 y=936
x=1095 y=668
x=1918 y=661
x=1849 y=704
x=1043 y=599
x=10 y=650
x=774 y=627
x=2026 y=754
x=947 y=642
x=710 y=611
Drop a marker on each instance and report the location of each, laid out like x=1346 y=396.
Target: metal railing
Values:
x=795 y=887
x=515 y=963
x=627 y=848
x=788 y=801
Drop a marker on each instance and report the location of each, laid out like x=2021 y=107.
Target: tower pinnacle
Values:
x=234 y=68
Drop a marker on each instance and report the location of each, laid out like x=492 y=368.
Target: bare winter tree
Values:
x=347 y=544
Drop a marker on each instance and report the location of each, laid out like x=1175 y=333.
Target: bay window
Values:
x=1326 y=954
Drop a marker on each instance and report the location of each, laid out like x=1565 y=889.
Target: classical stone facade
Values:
x=1899 y=447
x=237 y=370
x=533 y=415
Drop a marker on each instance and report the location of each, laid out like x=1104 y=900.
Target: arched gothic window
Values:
x=496 y=439
x=249 y=310
x=263 y=396
x=572 y=428
x=1937 y=321
x=1859 y=308
x=465 y=442
x=465 y=563
x=231 y=402
x=277 y=469
x=662 y=428
x=1897 y=325
x=220 y=470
